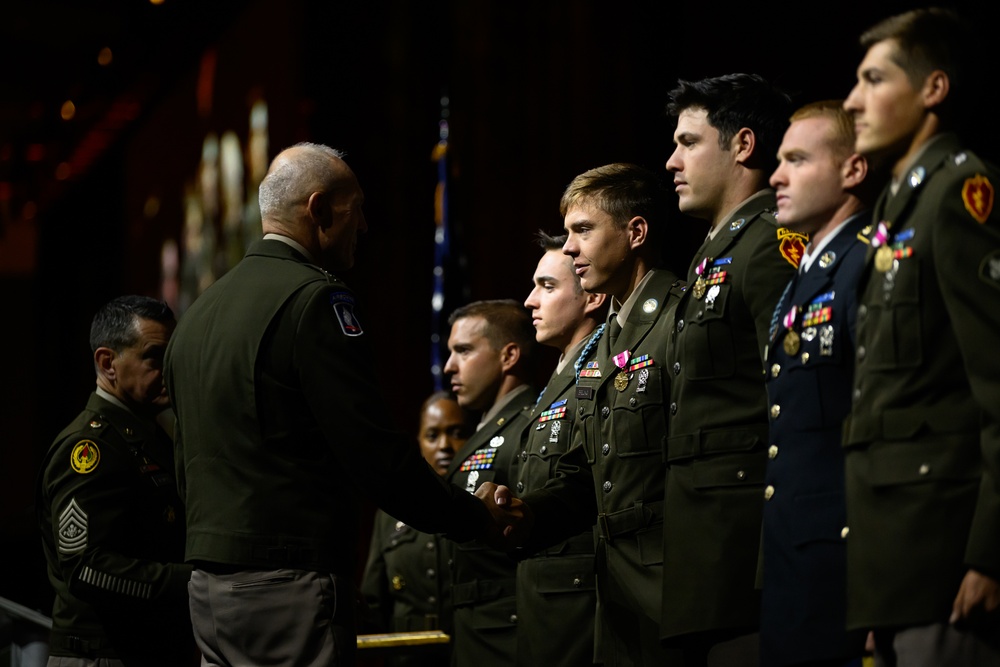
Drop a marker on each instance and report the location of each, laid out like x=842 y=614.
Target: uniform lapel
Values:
x=482 y=437
x=555 y=388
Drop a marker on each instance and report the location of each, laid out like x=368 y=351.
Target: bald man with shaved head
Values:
x=280 y=425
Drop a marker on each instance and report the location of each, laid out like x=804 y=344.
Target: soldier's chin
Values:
x=161 y=402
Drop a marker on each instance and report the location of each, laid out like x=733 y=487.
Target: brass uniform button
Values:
x=772 y=451
x=768 y=492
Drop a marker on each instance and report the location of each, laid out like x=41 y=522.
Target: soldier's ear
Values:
x=637 y=229
x=854 y=170
x=935 y=90
x=743 y=144
x=318 y=208
x=510 y=354
x=594 y=302
x=104 y=358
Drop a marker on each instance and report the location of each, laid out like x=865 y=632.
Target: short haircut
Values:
x=291 y=179
x=550 y=243
x=735 y=101
x=440 y=395
x=621 y=190
x=116 y=324
x=843 y=135
x=935 y=39
x=504 y=321
x=468 y=418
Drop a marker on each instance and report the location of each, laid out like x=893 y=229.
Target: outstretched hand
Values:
x=979 y=594
x=512 y=518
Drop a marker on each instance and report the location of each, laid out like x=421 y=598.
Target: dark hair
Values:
x=469 y=418
x=116 y=324
x=735 y=101
x=930 y=39
x=504 y=321
x=548 y=242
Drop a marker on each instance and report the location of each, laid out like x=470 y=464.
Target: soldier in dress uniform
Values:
x=556 y=587
x=491 y=346
x=615 y=219
x=280 y=427
x=923 y=435
x=822 y=190
x=727 y=136
x=112 y=522
x=406 y=582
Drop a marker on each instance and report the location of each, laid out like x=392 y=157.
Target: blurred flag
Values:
x=441 y=246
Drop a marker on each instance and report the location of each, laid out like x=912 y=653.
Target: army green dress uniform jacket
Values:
x=483 y=585
x=407 y=586
x=483 y=579
x=923 y=437
x=717 y=449
x=615 y=473
x=556 y=587
x=281 y=426
x=113 y=535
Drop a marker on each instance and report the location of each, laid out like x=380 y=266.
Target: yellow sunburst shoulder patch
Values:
x=85 y=457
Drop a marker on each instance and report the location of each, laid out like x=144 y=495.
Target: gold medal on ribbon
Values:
x=621 y=381
x=699 y=288
x=883 y=259
x=791 y=343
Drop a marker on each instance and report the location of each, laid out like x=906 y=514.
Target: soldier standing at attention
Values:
x=491 y=345
x=556 y=597
x=727 y=137
x=823 y=191
x=923 y=436
x=615 y=218
x=406 y=582
x=112 y=523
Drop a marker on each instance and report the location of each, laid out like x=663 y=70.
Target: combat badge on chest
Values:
x=481 y=459
x=551 y=418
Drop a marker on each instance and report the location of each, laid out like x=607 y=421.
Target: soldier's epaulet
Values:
x=327 y=276
x=124 y=431
x=865 y=235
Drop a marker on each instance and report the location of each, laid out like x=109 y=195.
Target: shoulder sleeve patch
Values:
x=977 y=195
x=989 y=269
x=72 y=529
x=792 y=245
x=343 y=308
x=85 y=457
